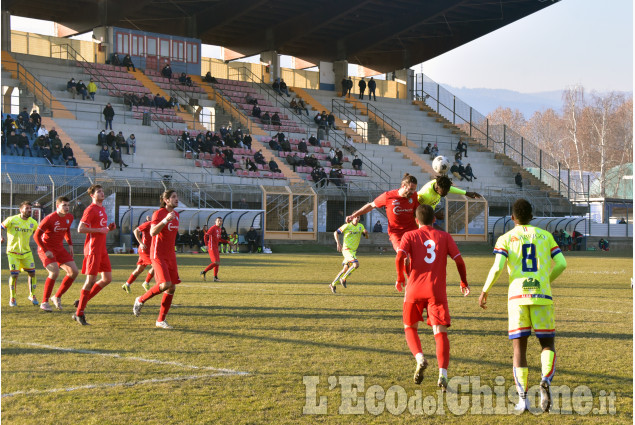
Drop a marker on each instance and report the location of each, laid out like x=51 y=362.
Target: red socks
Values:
x=156 y=289
x=131 y=279
x=48 y=288
x=210 y=267
x=216 y=270
x=443 y=349
x=412 y=338
x=149 y=277
x=166 y=302
x=66 y=283
x=83 y=300
x=94 y=291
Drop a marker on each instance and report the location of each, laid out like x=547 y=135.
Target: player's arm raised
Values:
x=363 y=210
x=155 y=229
x=492 y=277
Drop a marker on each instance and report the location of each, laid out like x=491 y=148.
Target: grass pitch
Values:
x=240 y=349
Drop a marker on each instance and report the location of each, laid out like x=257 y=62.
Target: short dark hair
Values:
x=61 y=199
x=444 y=183
x=522 y=211
x=23 y=203
x=408 y=178
x=425 y=214
x=93 y=188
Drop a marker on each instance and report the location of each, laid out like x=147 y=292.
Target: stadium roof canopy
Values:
x=384 y=35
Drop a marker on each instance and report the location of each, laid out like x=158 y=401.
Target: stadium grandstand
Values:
x=172 y=113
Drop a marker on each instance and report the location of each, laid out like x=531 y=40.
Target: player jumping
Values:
x=212 y=238
x=528 y=251
x=432 y=192
x=400 y=210
x=50 y=236
x=352 y=233
x=428 y=249
x=94 y=223
x=19 y=229
x=164 y=229
x=142 y=234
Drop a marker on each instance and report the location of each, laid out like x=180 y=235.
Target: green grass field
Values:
x=273 y=317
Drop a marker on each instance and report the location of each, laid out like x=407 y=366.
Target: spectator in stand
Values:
x=315 y=175
x=117 y=157
x=247 y=141
x=111 y=140
x=458 y=157
x=250 y=165
x=120 y=140
x=114 y=59
x=349 y=86
x=427 y=150
x=276 y=86
x=469 y=174
x=52 y=134
x=283 y=88
x=23 y=145
x=57 y=157
x=36 y=120
x=81 y=89
x=372 y=85
x=311 y=161
x=317 y=118
x=274 y=145
x=295 y=161
x=69 y=158
x=160 y=102
x=167 y=71
x=302 y=147
x=332 y=157
x=209 y=79
x=285 y=145
x=294 y=105
x=454 y=169
x=462 y=172
x=92 y=89
x=38 y=144
x=266 y=119
x=603 y=244
x=259 y=158
x=340 y=156
x=249 y=99
x=255 y=111
x=344 y=86
x=70 y=87
x=461 y=147
x=185 y=79
x=275 y=119
x=43 y=131
x=377 y=228
x=46 y=151
x=127 y=62
x=357 y=163
x=330 y=120
x=314 y=142
x=132 y=143
x=519 y=180
x=336 y=177
x=434 y=152
x=273 y=167
x=109 y=114
x=622 y=221
x=362 y=88
x=302 y=107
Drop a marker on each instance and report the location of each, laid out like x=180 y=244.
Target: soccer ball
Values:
x=441 y=164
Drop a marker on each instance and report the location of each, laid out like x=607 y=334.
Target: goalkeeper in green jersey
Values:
x=528 y=251
x=352 y=233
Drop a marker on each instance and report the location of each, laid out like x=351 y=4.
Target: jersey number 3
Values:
x=431 y=255
x=529 y=257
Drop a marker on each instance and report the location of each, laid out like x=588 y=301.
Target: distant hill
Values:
x=486 y=100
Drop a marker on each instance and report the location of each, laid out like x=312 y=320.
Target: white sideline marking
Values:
x=116 y=384
x=597 y=311
x=119 y=356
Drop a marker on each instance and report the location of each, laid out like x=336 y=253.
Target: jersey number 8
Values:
x=529 y=253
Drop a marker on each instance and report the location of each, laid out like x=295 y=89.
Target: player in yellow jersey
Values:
x=19 y=229
x=352 y=233
x=528 y=251
x=432 y=192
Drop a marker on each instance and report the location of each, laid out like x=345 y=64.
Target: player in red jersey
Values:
x=212 y=239
x=400 y=209
x=49 y=237
x=164 y=229
x=94 y=223
x=142 y=233
x=428 y=249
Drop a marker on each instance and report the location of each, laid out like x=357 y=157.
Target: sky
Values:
x=586 y=42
